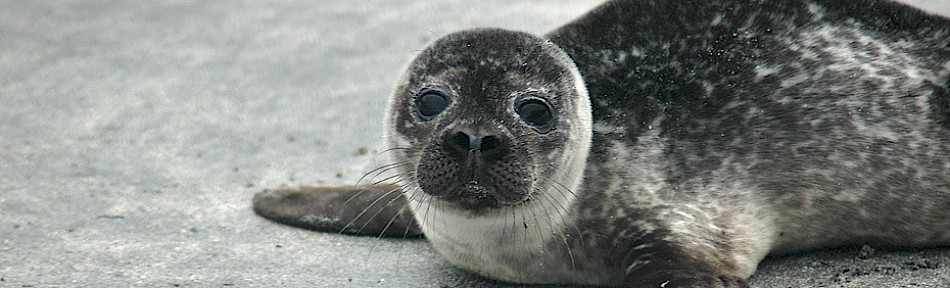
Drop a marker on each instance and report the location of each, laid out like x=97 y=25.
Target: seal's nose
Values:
x=474 y=142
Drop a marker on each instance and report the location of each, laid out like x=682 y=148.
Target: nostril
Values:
x=473 y=142
x=461 y=140
x=489 y=143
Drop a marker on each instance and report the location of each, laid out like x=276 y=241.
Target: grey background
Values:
x=133 y=136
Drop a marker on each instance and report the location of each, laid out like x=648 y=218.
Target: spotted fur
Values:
x=693 y=138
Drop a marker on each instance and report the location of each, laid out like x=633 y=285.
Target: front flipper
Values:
x=664 y=264
x=377 y=210
x=684 y=280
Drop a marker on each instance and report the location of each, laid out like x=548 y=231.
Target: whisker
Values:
x=524 y=223
x=409 y=200
x=560 y=185
x=360 y=215
x=561 y=189
x=399 y=189
x=504 y=229
x=393 y=149
x=368 y=187
x=540 y=232
x=378 y=170
x=425 y=218
x=514 y=221
x=567 y=245
x=390 y=149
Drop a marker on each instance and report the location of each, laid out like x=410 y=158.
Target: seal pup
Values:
x=663 y=143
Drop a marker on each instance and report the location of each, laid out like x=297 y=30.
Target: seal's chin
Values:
x=474 y=197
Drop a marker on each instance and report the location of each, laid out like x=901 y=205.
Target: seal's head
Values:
x=487 y=119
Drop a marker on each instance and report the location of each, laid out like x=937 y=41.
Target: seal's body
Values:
x=671 y=143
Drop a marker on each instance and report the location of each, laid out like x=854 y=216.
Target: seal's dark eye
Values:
x=536 y=112
x=430 y=104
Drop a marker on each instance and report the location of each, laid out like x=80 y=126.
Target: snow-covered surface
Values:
x=134 y=134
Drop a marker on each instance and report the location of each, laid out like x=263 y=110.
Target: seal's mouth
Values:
x=472 y=196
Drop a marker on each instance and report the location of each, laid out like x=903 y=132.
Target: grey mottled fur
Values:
x=718 y=132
